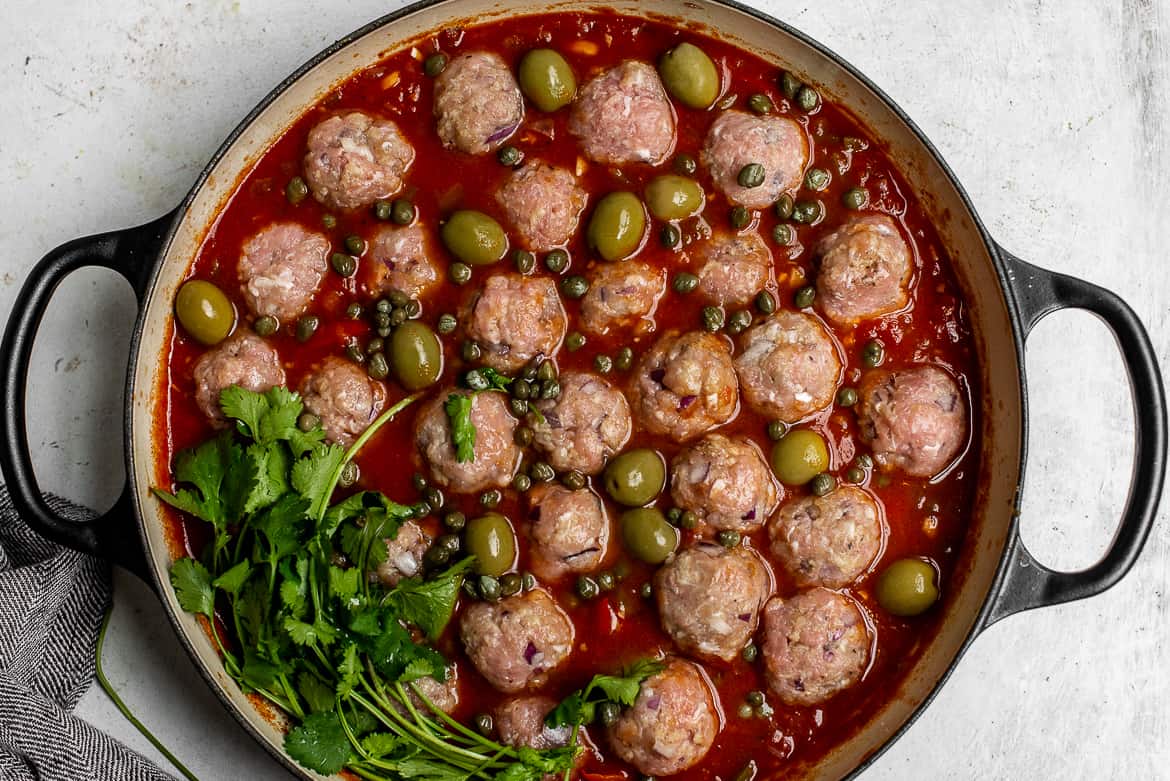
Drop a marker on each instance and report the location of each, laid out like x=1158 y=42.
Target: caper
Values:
x=646 y=590
x=528 y=580
x=587 y=587
x=685 y=164
x=751 y=175
x=207 y=314
x=474 y=237
x=546 y=79
x=760 y=103
x=624 y=359
x=799 y=456
x=574 y=341
x=729 y=538
x=306 y=327
x=822 y=484
x=635 y=477
x=684 y=283
x=447 y=323
x=541 y=472
x=489 y=588
x=521 y=389
x=608 y=713
x=509 y=156
x=355 y=245
x=401 y=211
x=384 y=306
x=556 y=261
x=606 y=581
x=807 y=98
x=671 y=197
x=908 y=587
x=460 y=273
x=864 y=461
x=804 y=297
x=855 y=198
x=329 y=221
x=418 y=482
x=603 y=364
x=435 y=64
x=739 y=217
x=518 y=407
x=377 y=367
x=688 y=520
x=349 y=474
x=617 y=226
x=782 y=234
x=521 y=482
x=745 y=711
x=855 y=474
x=523 y=436
x=354 y=311
x=525 y=261
x=344 y=265
x=574 y=286
x=491 y=498
x=511 y=583
x=765 y=302
x=455 y=520
x=573 y=480
x=491 y=540
x=382 y=210
x=436 y=557
x=375 y=345
x=689 y=76
x=434 y=499
x=873 y=353
x=674 y=515
x=397 y=318
x=817 y=179
x=847 y=397
x=750 y=652
x=739 y=321
x=648 y=536
x=789 y=85
x=669 y=236
x=546 y=372
x=712 y=318
x=776 y=430
x=783 y=207
x=806 y=212
x=550 y=389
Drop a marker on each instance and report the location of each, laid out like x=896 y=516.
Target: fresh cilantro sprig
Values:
x=285 y=588
x=580 y=707
x=463 y=432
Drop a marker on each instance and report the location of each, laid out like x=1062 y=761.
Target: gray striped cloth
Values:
x=51 y=605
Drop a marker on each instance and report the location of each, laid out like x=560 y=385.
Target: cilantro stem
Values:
x=372 y=429
x=121 y=706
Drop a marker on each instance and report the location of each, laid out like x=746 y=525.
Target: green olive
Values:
x=474 y=237
x=648 y=536
x=546 y=79
x=671 y=197
x=492 y=541
x=689 y=75
x=908 y=587
x=616 y=227
x=204 y=311
x=635 y=477
x=799 y=456
x=416 y=355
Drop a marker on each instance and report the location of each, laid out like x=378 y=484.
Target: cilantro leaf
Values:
x=233 y=580
x=571 y=710
x=203 y=467
x=344 y=583
x=246 y=408
x=458 y=409
x=313 y=477
x=486 y=378
x=192 y=584
x=282 y=527
x=258 y=673
x=269 y=463
x=317 y=694
x=348 y=670
x=580 y=707
x=319 y=743
x=428 y=604
x=381 y=744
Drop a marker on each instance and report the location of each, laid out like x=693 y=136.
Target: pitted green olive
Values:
x=546 y=79
x=671 y=197
x=492 y=541
x=204 y=311
x=634 y=478
x=648 y=535
x=799 y=456
x=689 y=76
x=617 y=226
x=908 y=587
x=473 y=237
x=416 y=355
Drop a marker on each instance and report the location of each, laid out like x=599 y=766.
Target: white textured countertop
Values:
x=1053 y=114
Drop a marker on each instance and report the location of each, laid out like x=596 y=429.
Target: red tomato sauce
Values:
x=925 y=518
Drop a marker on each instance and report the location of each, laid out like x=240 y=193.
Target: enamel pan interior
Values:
x=931 y=181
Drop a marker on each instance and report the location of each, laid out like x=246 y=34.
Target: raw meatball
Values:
x=732 y=269
x=827 y=540
x=496 y=456
x=584 y=426
x=355 y=159
x=516 y=641
x=543 y=204
x=864 y=271
x=281 y=268
x=685 y=385
x=914 y=419
x=788 y=366
x=673 y=723
x=622 y=115
x=343 y=396
x=245 y=360
x=400 y=259
x=569 y=530
x=622 y=295
x=404 y=554
x=737 y=139
x=815 y=644
x=520 y=723
x=478 y=103
x=709 y=599
x=516 y=318
x=726 y=482
x=444 y=695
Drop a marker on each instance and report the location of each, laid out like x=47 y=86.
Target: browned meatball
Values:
x=569 y=530
x=520 y=722
x=402 y=259
x=496 y=455
x=245 y=360
x=709 y=599
x=913 y=419
x=865 y=268
x=622 y=115
x=622 y=295
x=737 y=139
x=673 y=723
x=815 y=644
x=404 y=554
x=726 y=482
x=516 y=641
x=733 y=268
x=543 y=204
x=478 y=103
x=584 y=426
x=827 y=540
x=788 y=366
x=515 y=319
x=355 y=159
x=343 y=396
x=281 y=268
x=685 y=385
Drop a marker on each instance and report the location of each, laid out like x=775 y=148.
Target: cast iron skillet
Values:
x=1029 y=293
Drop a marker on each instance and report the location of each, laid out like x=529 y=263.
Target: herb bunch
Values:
x=287 y=573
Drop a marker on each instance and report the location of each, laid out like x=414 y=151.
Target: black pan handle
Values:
x=1024 y=582
x=132 y=253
